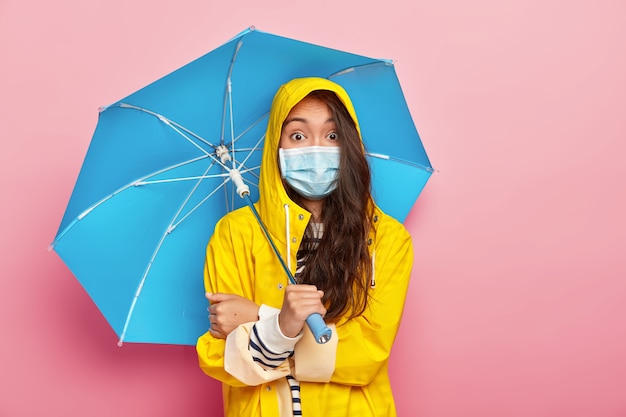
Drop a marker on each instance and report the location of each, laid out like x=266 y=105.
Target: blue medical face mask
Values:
x=311 y=171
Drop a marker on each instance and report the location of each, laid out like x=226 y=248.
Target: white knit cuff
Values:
x=266 y=311
x=270 y=335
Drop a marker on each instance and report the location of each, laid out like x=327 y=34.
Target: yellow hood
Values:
x=273 y=196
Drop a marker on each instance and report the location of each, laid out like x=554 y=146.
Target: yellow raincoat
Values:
x=345 y=377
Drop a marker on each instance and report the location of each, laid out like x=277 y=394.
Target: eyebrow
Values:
x=303 y=120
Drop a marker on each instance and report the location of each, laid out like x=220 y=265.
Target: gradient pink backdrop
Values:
x=517 y=305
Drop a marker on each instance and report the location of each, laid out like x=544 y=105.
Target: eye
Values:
x=332 y=136
x=297 y=136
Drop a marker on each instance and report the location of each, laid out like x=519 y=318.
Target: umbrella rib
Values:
x=232 y=122
x=402 y=161
x=197 y=206
x=179 y=128
x=139 y=289
x=257 y=147
x=228 y=88
x=259 y=120
x=254 y=184
x=119 y=190
x=250 y=170
x=195 y=135
x=174 y=224
x=385 y=62
x=197 y=177
x=175 y=126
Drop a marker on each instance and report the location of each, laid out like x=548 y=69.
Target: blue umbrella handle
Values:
x=318 y=327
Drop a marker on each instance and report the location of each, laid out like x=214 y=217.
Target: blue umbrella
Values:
x=154 y=183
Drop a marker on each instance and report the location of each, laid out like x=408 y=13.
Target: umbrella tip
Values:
x=120 y=343
x=252 y=28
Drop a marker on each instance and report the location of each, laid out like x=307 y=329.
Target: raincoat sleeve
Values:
x=239 y=362
x=365 y=342
x=226 y=270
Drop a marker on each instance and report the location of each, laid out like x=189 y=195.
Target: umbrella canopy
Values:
x=152 y=185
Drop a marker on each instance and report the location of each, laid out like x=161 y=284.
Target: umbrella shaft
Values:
x=321 y=332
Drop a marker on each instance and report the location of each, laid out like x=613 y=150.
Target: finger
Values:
x=302 y=308
x=312 y=297
x=219 y=297
x=214 y=298
x=302 y=288
x=221 y=308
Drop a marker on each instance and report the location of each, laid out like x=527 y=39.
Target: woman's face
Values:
x=309 y=123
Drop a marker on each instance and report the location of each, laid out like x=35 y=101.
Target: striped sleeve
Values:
x=268 y=347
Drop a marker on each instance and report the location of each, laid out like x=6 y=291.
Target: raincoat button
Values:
x=294 y=240
x=370 y=241
x=280 y=286
x=375 y=219
x=269 y=388
x=301 y=217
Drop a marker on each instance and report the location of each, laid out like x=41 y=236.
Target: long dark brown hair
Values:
x=341 y=265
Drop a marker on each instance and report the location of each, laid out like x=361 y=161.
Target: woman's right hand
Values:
x=299 y=303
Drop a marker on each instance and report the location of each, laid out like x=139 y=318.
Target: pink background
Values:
x=517 y=305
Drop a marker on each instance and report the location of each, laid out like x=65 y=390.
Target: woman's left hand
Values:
x=227 y=311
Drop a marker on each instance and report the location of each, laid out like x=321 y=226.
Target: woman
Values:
x=352 y=263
